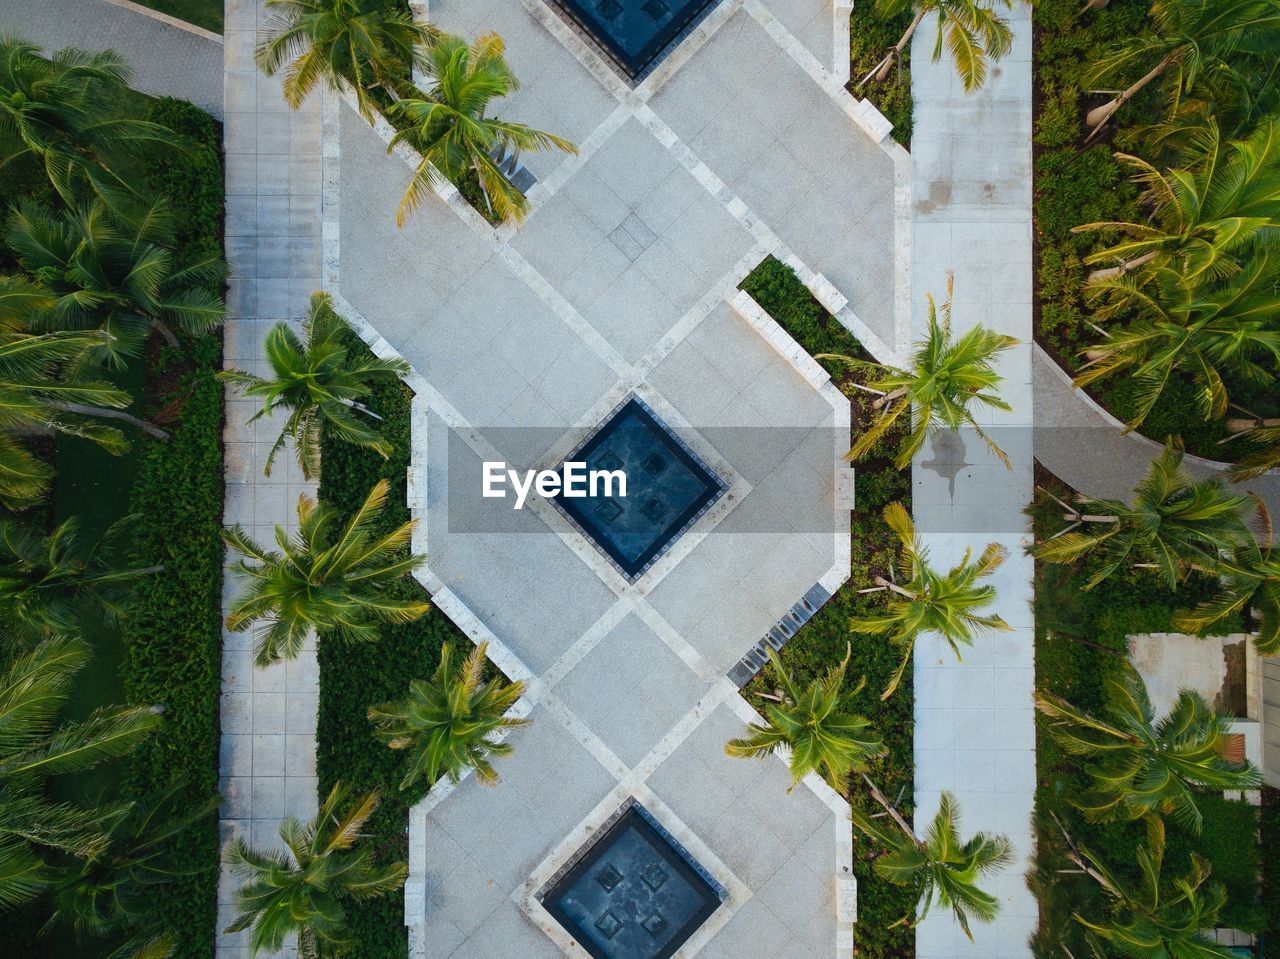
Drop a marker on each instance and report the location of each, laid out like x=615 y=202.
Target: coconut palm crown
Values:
x=974 y=33
x=446 y=124
x=947 y=376
x=448 y=724
x=945 y=866
x=1207 y=214
x=335 y=580
x=47 y=583
x=816 y=726
x=921 y=599
x=34 y=829
x=319 y=380
x=305 y=888
x=1249 y=577
x=354 y=44
x=1141 y=766
x=1154 y=916
x=1172 y=526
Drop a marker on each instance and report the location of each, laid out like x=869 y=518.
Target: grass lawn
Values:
x=203 y=13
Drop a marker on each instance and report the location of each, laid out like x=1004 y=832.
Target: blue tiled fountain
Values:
x=633 y=892
x=668 y=488
x=636 y=33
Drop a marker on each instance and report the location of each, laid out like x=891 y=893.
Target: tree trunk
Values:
x=879 y=797
x=1101 y=114
x=353 y=405
x=881 y=70
x=1089 y=518
x=1245 y=426
x=894 y=587
x=1093 y=5
x=888 y=398
x=1114 y=271
x=104 y=413
x=164 y=331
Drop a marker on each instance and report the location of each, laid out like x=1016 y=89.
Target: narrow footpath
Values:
x=168 y=58
x=273 y=246
x=975 y=721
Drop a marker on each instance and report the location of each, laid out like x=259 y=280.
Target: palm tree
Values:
x=60 y=111
x=975 y=35
x=303 y=889
x=928 y=601
x=1172 y=526
x=816 y=726
x=48 y=582
x=112 y=894
x=358 y=44
x=1141 y=767
x=1250 y=579
x=318 y=379
x=1154 y=917
x=447 y=723
x=1263 y=435
x=1218 y=205
x=44 y=389
x=942 y=864
x=33 y=689
x=1190 y=42
x=109 y=270
x=945 y=378
x=448 y=128
x=337 y=585
x=1203 y=332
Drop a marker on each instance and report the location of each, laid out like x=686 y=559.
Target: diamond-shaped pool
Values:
x=668 y=488
x=635 y=33
x=632 y=892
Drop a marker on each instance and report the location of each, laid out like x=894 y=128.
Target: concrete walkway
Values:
x=273 y=245
x=975 y=727
x=1088 y=449
x=167 y=59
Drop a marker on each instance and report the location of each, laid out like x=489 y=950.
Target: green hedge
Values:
x=173 y=632
x=354 y=677
x=1269 y=826
x=869 y=39
x=1080 y=642
x=822 y=641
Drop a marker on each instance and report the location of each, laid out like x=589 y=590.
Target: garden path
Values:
x=975 y=722
x=169 y=58
x=267 y=766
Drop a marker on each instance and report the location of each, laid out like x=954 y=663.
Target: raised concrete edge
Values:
x=167 y=20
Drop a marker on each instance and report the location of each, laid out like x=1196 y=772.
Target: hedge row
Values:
x=172 y=634
x=1081 y=641
x=821 y=643
x=353 y=677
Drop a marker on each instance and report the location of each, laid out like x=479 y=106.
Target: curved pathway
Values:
x=1088 y=449
x=168 y=57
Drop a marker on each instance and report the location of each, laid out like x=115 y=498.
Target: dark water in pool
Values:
x=636 y=32
x=636 y=894
x=668 y=487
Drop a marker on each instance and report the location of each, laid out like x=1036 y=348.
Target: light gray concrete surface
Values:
x=166 y=60
x=975 y=725
x=267 y=768
x=522 y=340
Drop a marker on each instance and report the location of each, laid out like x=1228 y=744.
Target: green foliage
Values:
x=352 y=678
x=869 y=37
x=173 y=632
x=1080 y=643
x=1269 y=825
x=189 y=176
x=822 y=642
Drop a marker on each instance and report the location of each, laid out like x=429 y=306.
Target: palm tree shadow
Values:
x=948 y=458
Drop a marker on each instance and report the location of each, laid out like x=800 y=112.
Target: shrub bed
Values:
x=1081 y=641
x=354 y=677
x=870 y=37
x=821 y=643
x=173 y=633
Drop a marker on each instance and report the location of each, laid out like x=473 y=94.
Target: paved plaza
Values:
x=623 y=282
